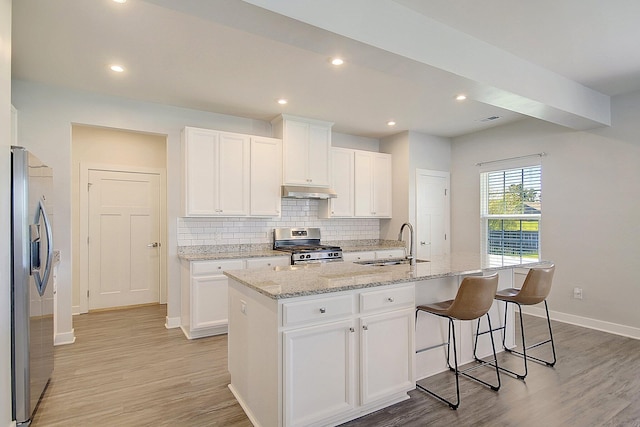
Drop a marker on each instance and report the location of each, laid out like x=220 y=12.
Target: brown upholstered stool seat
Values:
x=473 y=300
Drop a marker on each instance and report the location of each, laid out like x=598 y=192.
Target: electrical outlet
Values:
x=577 y=293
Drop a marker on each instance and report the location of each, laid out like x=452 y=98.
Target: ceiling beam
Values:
x=494 y=76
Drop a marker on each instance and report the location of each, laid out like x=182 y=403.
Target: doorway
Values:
x=432 y=213
x=119 y=184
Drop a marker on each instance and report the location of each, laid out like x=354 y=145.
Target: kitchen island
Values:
x=321 y=344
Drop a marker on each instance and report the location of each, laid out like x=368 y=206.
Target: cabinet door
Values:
x=319 y=372
x=296 y=152
x=386 y=354
x=209 y=301
x=233 y=174
x=318 y=155
x=372 y=184
x=381 y=182
x=342 y=182
x=200 y=155
x=266 y=164
x=363 y=185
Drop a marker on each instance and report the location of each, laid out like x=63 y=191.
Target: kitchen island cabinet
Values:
x=321 y=344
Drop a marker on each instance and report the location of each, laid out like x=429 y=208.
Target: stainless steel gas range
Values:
x=304 y=245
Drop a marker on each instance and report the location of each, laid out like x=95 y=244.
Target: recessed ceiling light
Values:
x=282 y=101
x=117 y=68
x=391 y=123
x=461 y=97
x=337 y=61
x=120 y=1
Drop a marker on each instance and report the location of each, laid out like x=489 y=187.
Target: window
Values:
x=510 y=212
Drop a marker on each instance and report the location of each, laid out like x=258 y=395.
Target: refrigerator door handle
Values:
x=36 y=266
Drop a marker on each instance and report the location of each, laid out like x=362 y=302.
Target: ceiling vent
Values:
x=489 y=119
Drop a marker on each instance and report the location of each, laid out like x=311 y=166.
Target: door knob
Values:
x=153 y=245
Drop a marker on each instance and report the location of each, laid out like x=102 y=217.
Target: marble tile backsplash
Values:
x=295 y=213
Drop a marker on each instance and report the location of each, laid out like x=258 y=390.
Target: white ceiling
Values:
x=231 y=57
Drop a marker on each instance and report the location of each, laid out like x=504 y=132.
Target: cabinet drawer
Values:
x=387 y=299
x=358 y=256
x=317 y=309
x=202 y=268
x=268 y=262
x=390 y=253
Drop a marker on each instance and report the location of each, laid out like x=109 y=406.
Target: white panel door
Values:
x=266 y=179
x=319 y=372
x=201 y=171
x=318 y=157
x=233 y=174
x=382 y=185
x=296 y=153
x=363 y=186
x=432 y=213
x=386 y=354
x=124 y=236
x=342 y=182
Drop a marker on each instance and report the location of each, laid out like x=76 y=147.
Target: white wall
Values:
x=590 y=205
x=354 y=142
x=46 y=115
x=5 y=212
x=411 y=150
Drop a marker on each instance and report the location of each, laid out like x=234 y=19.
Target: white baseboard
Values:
x=12 y=423
x=171 y=322
x=599 y=325
x=64 y=338
x=75 y=309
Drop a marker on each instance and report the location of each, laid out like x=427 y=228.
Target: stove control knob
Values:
x=308 y=256
x=301 y=256
x=330 y=254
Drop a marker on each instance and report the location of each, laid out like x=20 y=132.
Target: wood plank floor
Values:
x=126 y=369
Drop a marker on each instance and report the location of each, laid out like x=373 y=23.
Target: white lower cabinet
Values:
x=386 y=354
x=337 y=368
x=205 y=301
x=320 y=372
x=371 y=255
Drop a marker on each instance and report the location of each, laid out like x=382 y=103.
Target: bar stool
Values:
x=473 y=300
x=535 y=289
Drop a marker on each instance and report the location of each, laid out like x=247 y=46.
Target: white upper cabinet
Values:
x=216 y=173
x=372 y=184
x=266 y=179
x=306 y=145
x=342 y=182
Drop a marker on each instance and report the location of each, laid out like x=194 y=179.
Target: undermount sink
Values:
x=390 y=261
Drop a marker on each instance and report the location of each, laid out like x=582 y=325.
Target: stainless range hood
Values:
x=299 y=192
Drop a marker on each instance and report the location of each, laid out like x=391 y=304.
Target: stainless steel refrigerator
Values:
x=32 y=287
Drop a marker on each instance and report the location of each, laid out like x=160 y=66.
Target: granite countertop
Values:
x=220 y=252
x=310 y=279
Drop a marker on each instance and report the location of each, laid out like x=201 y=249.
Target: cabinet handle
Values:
x=323 y=310
x=390 y=299
x=365 y=327
x=351 y=330
x=268 y=264
x=219 y=267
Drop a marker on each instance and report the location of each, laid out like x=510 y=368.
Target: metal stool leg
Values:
x=451 y=335
x=524 y=354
